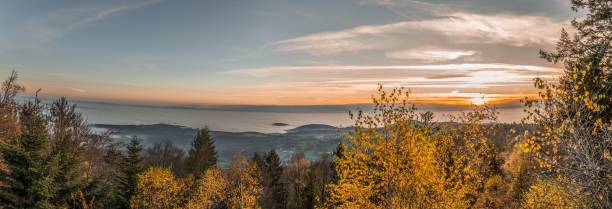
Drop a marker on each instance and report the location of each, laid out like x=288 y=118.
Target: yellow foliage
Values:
x=157 y=189
x=394 y=159
x=243 y=186
x=551 y=193
x=210 y=190
x=572 y=130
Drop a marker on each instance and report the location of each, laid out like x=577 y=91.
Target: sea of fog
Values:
x=239 y=119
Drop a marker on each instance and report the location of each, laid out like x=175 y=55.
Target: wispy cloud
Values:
x=43 y=30
x=270 y=71
x=105 y=12
x=430 y=55
x=433 y=83
x=79 y=90
x=504 y=29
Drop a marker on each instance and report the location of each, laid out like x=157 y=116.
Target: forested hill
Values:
x=312 y=139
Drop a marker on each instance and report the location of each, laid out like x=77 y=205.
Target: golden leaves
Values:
x=156 y=188
x=394 y=159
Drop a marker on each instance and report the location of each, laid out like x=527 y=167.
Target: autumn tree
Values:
x=243 y=189
x=552 y=193
x=321 y=174
x=9 y=126
x=296 y=175
x=157 y=188
x=166 y=154
x=465 y=157
x=574 y=134
x=202 y=154
x=397 y=157
x=211 y=190
x=388 y=161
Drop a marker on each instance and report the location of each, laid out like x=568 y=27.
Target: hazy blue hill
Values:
x=312 y=139
x=313 y=127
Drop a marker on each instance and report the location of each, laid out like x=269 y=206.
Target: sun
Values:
x=478 y=100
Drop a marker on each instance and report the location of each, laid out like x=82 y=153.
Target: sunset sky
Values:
x=280 y=52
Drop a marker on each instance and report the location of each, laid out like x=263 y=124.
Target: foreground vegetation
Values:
x=396 y=157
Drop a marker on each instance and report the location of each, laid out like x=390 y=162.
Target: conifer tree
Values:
x=68 y=135
x=202 y=154
x=30 y=179
x=274 y=191
x=337 y=155
x=113 y=195
x=130 y=168
x=259 y=161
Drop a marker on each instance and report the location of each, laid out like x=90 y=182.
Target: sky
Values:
x=280 y=52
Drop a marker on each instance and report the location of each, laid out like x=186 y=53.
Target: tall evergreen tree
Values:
x=259 y=161
x=30 y=177
x=130 y=167
x=202 y=154
x=338 y=155
x=68 y=134
x=112 y=194
x=274 y=187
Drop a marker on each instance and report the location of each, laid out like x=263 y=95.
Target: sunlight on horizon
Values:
x=478 y=101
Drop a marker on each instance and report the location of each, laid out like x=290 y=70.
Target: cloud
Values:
x=325 y=43
x=105 y=12
x=270 y=71
x=433 y=83
x=79 y=90
x=503 y=29
x=38 y=32
x=429 y=55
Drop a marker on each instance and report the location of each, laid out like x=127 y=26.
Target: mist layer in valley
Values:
x=312 y=140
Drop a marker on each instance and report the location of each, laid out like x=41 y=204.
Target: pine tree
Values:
x=338 y=155
x=130 y=168
x=112 y=194
x=202 y=154
x=259 y=161
x=68 y=134
x=309 y=194
x=274 y=191
x=30 y=180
